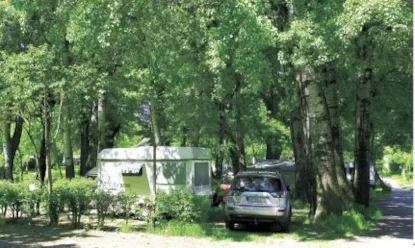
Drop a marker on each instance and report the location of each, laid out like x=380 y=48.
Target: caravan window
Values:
x=202 y=173
x=171 y=173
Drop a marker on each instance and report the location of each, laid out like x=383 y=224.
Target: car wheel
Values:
x=230 y=225
x=285 y=227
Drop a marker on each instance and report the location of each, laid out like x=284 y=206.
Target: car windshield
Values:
x=257 y=184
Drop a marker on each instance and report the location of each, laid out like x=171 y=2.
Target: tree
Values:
x=380 y=28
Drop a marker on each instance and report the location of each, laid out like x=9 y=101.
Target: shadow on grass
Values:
x=20 y=234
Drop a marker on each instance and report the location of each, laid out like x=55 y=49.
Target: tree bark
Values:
x=363 y=137
x=84 y=131
x=302 y=84
x=68 y=152
x=93 y=138
x=363 y=118
x=332 y=100
x=302 y=189
x=220 y=155
x=10 y=143
x=327 y=189
x=7 y=147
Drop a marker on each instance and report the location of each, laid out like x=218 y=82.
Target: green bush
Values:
x=76 y=194
x=19 y=197
x=183 y=206
x=101 y=201
x=126 y=200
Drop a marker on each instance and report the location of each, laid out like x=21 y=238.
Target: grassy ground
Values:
x=356 y=222
x=405 y=182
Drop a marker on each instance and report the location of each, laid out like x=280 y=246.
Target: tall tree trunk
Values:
x=53 y=216
x=156 y=140
x=93 y=137
x=7 y=147
x=363 y=137
x=332 y=100
x=238 y=147
x=302 y=83
x=84 y=131
x=302 y=189
x=220 y=155
x=363 y=119
x=10 y=143
x=67 y=132
x=42 y=157
x=68 y=152
x=327 y=189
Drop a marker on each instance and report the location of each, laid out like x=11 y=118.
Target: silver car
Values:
x=258 y=197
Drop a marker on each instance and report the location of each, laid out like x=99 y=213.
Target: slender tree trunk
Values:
x=68 y=152
x=302 y=83
x=93 y=138
x=84 y=131
x=363 y=118
x=53 y=216
x=302 y=189
x=10 y=143
x=363 y=137
x=220 y=155
x=67 y=132
x=156 y=140
x=7 y=146
x=42 y=157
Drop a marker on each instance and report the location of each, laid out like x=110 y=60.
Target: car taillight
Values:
x=281 y=210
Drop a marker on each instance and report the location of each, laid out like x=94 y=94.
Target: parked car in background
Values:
x=258 y=197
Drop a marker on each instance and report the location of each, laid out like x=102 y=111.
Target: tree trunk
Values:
x=67 y=132
x=332 y=100
x=363 y=132
x=302 y=84
x=220 y=155
x=42 y=157
x=93 y=138
x=68 y=152
x=363 y=137
x=10 y=143
x=84 y=131
x=302 y=189
x=7 y=147
x=327 y=189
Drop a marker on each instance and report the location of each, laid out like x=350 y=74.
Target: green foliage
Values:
x=76 y=194
x=126 y=201
x=183 y=206
x=126 y=228
x=101 y=201
x=19 y=197
x=356 y=221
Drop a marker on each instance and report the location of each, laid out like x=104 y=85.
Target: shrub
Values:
x=101 y=201
x=127 y=201
x=19 y=197
x=76 y=194
x=183 y=206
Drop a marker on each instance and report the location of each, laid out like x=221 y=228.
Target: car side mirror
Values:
x=288 y=188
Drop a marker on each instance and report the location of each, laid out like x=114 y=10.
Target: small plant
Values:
x=126 y=228
x=2 y=219
x=102 y=201
x=183 y=206
x=75 y=194
x=127 y=201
